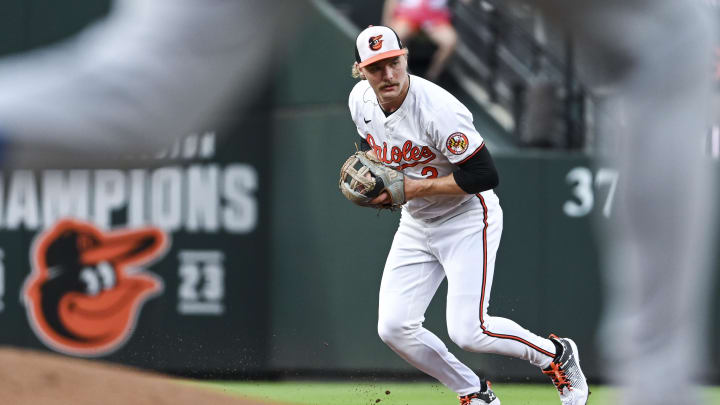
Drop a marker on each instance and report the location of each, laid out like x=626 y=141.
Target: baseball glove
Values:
x=363 y=177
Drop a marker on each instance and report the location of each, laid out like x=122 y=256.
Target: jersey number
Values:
x=431 y=170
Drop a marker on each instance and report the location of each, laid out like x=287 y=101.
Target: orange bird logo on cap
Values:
x=86 y=288
x=376 y=42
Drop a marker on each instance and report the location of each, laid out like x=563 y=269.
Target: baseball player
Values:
x=449 y=227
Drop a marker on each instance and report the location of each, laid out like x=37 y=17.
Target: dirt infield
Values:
x=38 y=378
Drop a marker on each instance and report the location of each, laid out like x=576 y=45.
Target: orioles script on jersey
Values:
x=409 y=153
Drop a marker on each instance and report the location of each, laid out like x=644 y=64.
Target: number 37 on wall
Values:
x=586 y=190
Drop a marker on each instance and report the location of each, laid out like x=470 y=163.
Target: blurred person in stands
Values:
x=133 y=82
x=649 y=62
x=409 y=17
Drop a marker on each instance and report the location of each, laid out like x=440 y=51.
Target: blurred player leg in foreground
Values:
x=133 y=82
x=651 y=62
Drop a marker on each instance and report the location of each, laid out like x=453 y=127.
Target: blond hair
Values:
x=356 y=73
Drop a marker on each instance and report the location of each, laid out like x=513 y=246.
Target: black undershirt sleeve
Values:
x=364 y=145
x=477 y=174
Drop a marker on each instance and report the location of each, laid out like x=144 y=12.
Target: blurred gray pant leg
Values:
x=139 y=79
x=651 y=61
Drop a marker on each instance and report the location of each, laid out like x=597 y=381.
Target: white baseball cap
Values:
x=376 y=43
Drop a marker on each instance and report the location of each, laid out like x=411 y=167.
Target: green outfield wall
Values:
x=264 y=268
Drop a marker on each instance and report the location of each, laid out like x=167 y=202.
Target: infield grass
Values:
x=368 y=393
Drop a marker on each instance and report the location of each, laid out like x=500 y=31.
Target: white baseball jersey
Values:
x=426 y=137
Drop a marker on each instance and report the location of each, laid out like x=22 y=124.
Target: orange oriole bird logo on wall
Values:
x=85 y=291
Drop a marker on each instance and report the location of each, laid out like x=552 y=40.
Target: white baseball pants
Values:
x=462 y=247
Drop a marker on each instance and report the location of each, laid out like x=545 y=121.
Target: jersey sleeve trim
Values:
x=482 y=145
